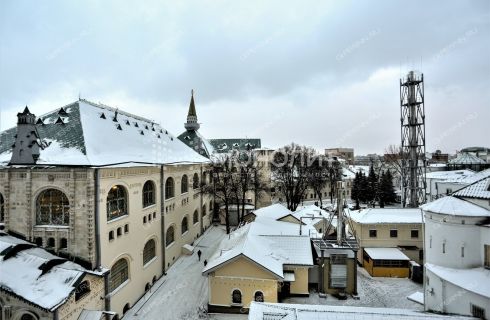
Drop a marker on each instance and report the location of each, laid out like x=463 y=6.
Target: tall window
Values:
x=195 y=181
x=185 y=225
x=148 y=193
x=236 y=296
x=195 y=217
x=373 y=233
x=119 y=274
x=203 y=210
x=486 y=249
x=52 y=208
x=184 y=186
x=393 y=233
x=117 y=202
x=149 y=252
x=2 y=210
x=169 y=188
x=170 y=236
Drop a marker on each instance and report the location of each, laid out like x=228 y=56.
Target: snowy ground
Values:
x=373 y=292
x=183 y=292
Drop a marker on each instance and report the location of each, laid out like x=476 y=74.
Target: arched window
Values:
x=148 y=193
x=170 y=236
x=236 y=296
x=126 y=308
x=119 y=274
x=27 y=316
x=52 y=207
x=117 y=202
x=259 y=296
x=195 y=217
x=149 y=252
x=184 y=186
x=204 y=178
x=82 y=290
x=63 y=243
x=169 y=188
x=185 y=225
x=195 y=181
x=2 y=210
x=203 y=210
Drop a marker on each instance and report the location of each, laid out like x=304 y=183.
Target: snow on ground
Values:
x=373 y=292
x=183 y=292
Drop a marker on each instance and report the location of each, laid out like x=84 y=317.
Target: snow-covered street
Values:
x=183 y=292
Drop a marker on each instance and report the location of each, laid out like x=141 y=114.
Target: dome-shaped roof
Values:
x=453 y=206
x=466 y=158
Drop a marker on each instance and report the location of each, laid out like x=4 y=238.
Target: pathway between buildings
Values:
x=183 y=292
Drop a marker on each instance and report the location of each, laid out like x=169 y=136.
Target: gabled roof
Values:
x=479 y=189
x=37 y=276
x=454 y=206
x=91 y=134
x=275 y=211
x=195 y=140
x=270 y=250
x=468 y=179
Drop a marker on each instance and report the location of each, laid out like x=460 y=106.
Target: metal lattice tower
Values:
x=412 y=119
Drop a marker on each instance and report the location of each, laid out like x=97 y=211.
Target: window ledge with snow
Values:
x=118 y=218
x=121 y=286
x=146 y=265
x=150 y=206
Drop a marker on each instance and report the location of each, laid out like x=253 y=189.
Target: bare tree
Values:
x=290 y=171
x=334 y=174
x=320 y=170
x=393 y=160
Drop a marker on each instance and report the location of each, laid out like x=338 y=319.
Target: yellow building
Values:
x=400 y=231
x=264 y=260
x=35 y=284
x=105 y=188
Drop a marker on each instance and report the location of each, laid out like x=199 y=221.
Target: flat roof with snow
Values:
x=454 y=206
x=283 y=311
x=386 y=254
x=387 y=215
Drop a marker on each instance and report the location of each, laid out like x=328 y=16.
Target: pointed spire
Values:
x=192 y=123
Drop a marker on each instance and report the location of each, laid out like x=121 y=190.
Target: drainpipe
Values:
x=98 y=264
x=55 y=315
x=201 y=200
x=321 y=288
x=355 y=272
x=162 y=217
x=97 y=217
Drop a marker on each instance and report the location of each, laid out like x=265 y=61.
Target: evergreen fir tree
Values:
x=372 y=184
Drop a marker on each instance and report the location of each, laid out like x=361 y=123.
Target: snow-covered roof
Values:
x=92 y=134
x=269 y=251
x=311 y=214
x=476 y=280
x=466 y=158
x=284 y=311
x=275 y=211
x=479 y=189
x=22 y=265
x=453 y=174
x=386 y=254
x=453 y=206
x=469 y=179
x=387 y=215
x=348 y=174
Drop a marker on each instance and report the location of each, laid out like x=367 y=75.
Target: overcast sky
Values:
x=320 y=73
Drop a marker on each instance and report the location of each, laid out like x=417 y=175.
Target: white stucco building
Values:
x=457 y=246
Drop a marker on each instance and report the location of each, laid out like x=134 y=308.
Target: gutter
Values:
x=162 y=217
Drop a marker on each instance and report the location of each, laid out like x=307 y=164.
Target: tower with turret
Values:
x=26 y=147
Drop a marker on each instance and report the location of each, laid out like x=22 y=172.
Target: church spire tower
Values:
x=192 y=123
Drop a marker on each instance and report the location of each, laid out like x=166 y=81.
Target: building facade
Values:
x=108 y=189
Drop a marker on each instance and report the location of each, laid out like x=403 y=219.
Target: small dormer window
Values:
x=152 y=129
x=60 y=121
x=118 y=127
x=127 y=123
x=142 y=133
x=158 y=136
x=146 y=127
x=136 y=125
x=40 y=121
x=62 y=112
x=161 y=131
x=102 y=115
x=171 y=139
x=166 y=132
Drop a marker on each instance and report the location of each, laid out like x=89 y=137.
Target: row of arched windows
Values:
x=236 y=296
x=184 y=226
x=184 y=185
x=120 y=270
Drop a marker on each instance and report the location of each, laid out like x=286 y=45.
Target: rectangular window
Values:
x=111 y=235
x=126 y=228
x=373 y=233
x=477 y=312
x=414 y=233
x=486 y=248
x=443 y=247
x=119 y=231
x=393 y=233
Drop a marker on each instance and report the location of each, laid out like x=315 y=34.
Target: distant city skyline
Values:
x=319 y=73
